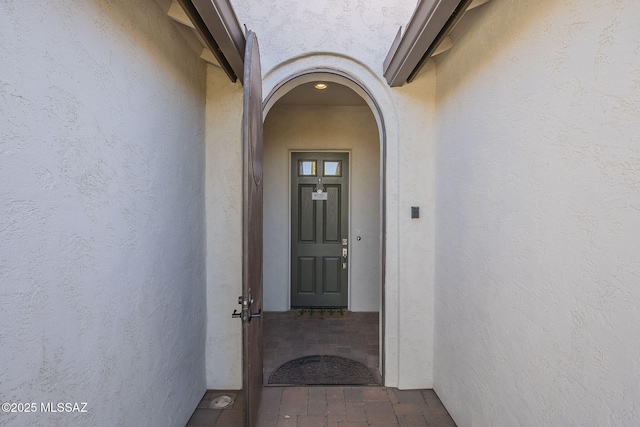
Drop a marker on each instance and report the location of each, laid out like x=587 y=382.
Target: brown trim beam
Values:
x=217 y=24
x=430 y=23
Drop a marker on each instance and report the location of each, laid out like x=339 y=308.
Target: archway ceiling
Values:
x=334 y=94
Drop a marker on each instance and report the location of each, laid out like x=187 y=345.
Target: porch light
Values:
x=321 y=86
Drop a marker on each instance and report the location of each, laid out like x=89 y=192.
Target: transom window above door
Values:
x=307 y=168
x=332 y=168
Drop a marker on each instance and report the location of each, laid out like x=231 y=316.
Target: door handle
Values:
x=245 y=313
x=344 y=258
x=250 y=314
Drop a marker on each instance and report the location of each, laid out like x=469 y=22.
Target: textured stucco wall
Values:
x=352 y=129
x=538 y=225
x=416 y=237
x=359 y=29
x=102 y=226
x=224 y=230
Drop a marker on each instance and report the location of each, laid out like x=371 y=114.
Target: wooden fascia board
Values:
x=218 y=26
x=423 y=29
x=441 y=39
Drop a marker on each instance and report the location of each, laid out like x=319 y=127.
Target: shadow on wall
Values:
x=498 y=35
x=137 y=23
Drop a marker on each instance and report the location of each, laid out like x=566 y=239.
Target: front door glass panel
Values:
x=306 y=168
x=332 y=168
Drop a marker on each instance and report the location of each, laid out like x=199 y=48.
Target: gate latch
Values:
x=245 y=313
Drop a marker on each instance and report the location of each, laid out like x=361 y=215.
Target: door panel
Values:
x=307 y=215
x=332 y=210
x=319 y=229
x=307 y=276
x=252 y=231
x=332 y=267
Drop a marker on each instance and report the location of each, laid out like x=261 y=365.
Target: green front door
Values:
x=319 y=229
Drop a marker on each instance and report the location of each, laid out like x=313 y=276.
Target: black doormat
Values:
x=323 y=370
x=321 y=313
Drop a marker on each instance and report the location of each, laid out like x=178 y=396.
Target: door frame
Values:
x=289 y=219
x=339 y=76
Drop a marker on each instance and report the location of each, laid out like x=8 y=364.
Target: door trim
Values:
x=289 y=201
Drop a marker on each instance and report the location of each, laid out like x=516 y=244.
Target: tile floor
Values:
x=356 y=337
x=330 y=407
x=231 y=416
x=351 y=407
x=287 y=338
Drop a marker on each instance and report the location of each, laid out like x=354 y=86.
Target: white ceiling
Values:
x=334 y=94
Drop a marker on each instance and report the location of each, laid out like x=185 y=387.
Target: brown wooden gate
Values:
x=251 y=299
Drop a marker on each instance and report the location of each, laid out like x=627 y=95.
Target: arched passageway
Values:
x=342 y=122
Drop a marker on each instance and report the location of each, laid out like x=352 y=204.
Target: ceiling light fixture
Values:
x=320 y=86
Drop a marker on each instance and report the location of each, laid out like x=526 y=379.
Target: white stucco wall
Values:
x=306 y=128
x=362 y=30
x=224 y=230
x=416 y=237
x=102 y=268
x=538 y=231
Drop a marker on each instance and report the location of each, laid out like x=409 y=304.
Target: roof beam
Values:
x=429 y=25
x=217 y=24
x=177 y=13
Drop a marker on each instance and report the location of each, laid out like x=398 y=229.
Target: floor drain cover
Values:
x=221 y=402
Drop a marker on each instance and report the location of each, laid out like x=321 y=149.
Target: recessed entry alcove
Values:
x=322 y=218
